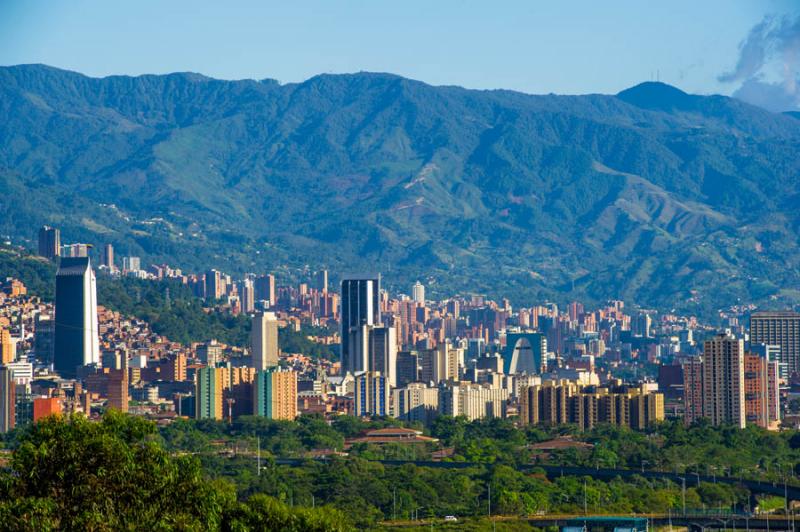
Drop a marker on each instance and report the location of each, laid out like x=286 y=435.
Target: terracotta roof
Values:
x=447 y=452
x=392 y=435
x=561 y=443
x=390 y=439
x=390 y=431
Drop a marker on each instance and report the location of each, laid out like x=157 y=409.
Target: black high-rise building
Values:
x=322 y=280
x=407 y=368
x=49 y=242
x=44 y=339
x=360 y=306
x=76 y=330
x=265 y=289
x=214 y=286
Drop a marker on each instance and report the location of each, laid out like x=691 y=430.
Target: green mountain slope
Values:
x=654 y=195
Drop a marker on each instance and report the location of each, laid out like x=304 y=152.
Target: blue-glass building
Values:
x=524 y=353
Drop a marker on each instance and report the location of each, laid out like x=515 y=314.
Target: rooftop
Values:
x=392 y=435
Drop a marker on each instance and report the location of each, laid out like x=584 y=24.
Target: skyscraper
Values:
x=76 y=330
x=8 y=399
x=7 y=347
x=108 y=256
x=723 y=381
x=44 y=338
x=525 y=353
x=275 y=394
x=214 y=285
x=692 y=389
x=360 y=306
x=441 y=364
x=642 y=324
x=247 y=293
x=773 y=354
x=264 y=341
x=131 y=264
x=371 y=396
x=374 y=349
x=117 y=388
x=210 y=353
x=416 y=402
x=49 y=242
x=475 y=401
x=407 y=368
x=75 y=250
x=418 y=292
x=781 y=329
x=322 y=280
x=208 y=393
x=762 y=395
x=265 y=289
x=383 y=352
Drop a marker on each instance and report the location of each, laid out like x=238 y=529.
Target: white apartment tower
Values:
x=264 y=341
x=723 y=381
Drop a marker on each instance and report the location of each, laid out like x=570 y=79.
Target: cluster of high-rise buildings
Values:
x=415 y=360
x=78 y=356
x=730 y=384
x=565 y=402
x=405 y=356
x=50 y=247
x=472 y=357
x=259 y=387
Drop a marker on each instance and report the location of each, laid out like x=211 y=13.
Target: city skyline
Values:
x=379 y=354
x=360 y=265
x=424 y=361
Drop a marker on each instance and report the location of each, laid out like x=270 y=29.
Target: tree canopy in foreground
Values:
x=73 y=474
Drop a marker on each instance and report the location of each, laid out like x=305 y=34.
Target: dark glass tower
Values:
x=49 y=242
x=360 y=306
x=76 y=340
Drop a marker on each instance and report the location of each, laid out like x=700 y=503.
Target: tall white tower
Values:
x=418 y=292
x=264 y=340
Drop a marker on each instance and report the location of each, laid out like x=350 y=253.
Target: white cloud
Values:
x=768 y=66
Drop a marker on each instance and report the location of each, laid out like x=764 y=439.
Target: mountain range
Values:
x=660 y=197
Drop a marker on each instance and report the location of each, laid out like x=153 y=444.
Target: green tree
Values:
x=74 y=474
x=265 y=513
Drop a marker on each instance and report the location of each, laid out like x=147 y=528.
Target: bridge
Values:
x=691 y=522
x=789 y=491
x=592 y=523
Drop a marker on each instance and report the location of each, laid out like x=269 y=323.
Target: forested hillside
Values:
x=657 y=196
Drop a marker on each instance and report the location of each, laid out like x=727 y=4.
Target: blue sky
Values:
x=537 y=47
